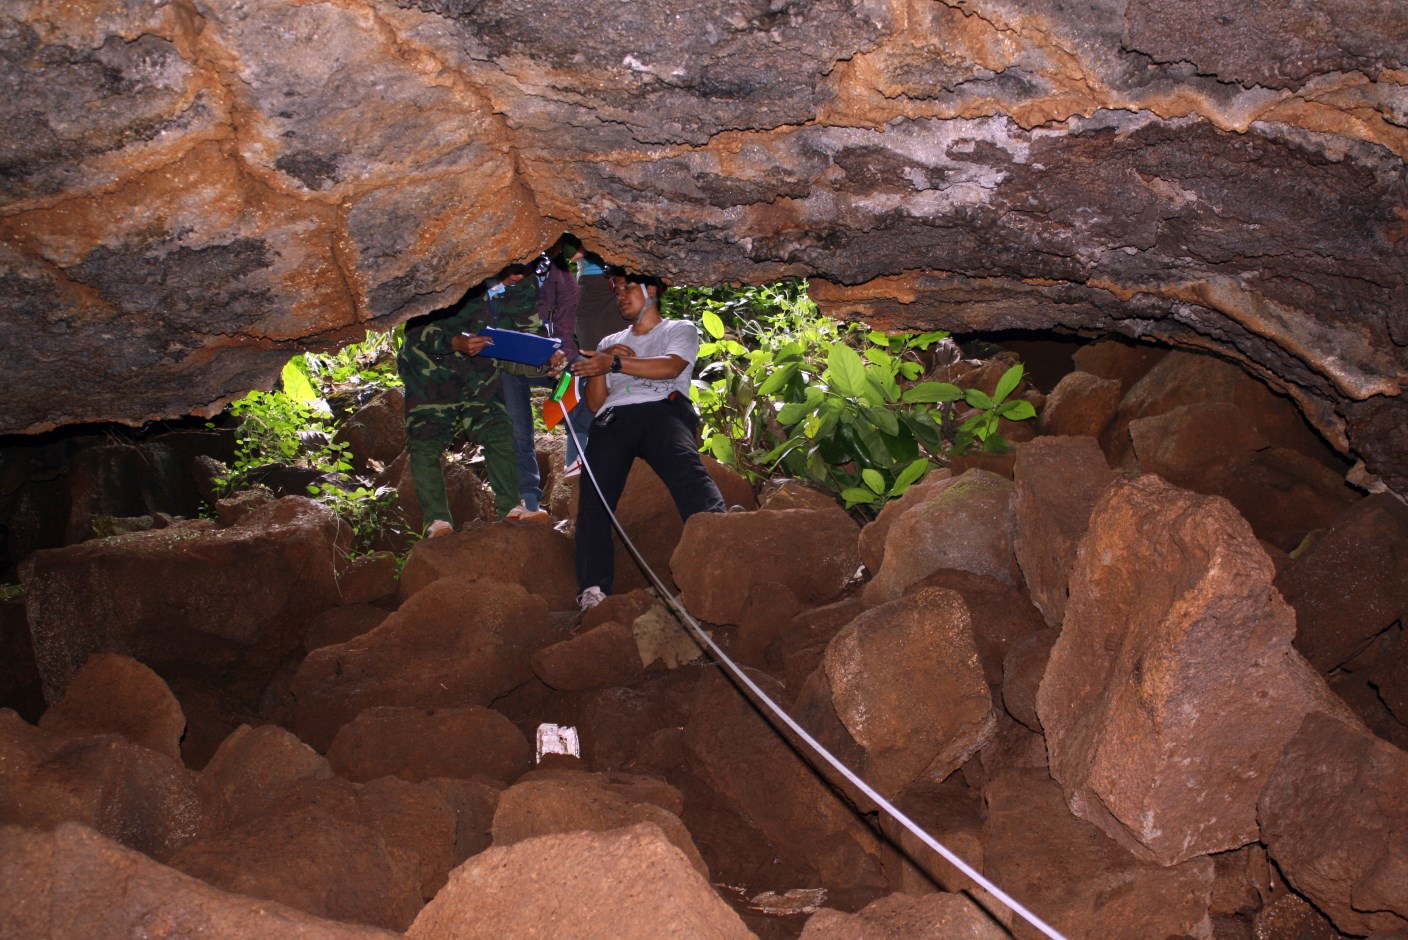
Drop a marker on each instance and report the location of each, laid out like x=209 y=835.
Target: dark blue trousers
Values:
x=662 y=434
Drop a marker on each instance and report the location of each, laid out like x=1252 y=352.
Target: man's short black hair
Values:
x=647 y=279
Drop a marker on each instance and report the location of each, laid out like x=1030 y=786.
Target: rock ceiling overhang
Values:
x=193 y=190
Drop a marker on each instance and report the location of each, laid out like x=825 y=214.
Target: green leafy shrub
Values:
x=294 y=425
x=781 y=388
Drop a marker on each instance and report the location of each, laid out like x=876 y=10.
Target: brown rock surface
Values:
x=627 y=884
x=254 y=768
x=605 y=655
x=533 y=556
x=1284 y=495
x=907 y=683
x=1349 y=585
x=649 y=515
x=931 y=917
x=73 y=884
x=376 y=433
x=419 y=743
x=318 y=850
x=454 y=643
x=584 y=802
x=1334 y=818
x=1058 y=482
x=1103 y=891
x=142 y=798
x=734 y=751
x=721 y=555
x=118 y=695
x=966 y=525
x=1173 y=685
x=1080 y=404
x=194 y=584
x=369 y=578
x=872 y=536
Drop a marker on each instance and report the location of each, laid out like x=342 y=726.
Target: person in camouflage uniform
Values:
x=453 y=392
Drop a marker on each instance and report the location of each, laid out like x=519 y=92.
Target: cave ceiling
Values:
x=191 y=191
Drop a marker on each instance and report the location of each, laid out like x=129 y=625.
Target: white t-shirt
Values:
x=668 y=337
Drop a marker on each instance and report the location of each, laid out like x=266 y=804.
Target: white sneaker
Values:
x=573 y=469
x=590 y=598
x=522 y=513
x=438 y=528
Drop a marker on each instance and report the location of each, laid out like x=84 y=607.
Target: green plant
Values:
x=782 y=388
x=371 y=362
x=369 y=512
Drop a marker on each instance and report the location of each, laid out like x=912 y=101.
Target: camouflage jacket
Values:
x=432 y=369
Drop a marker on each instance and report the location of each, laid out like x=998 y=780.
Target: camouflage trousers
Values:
x=433 y=427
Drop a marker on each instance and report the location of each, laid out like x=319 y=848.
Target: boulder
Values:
x=142 y=798
x=317 y=851
x=113 y=694
x=1334 y=818
x=1187 y=378
x=795 y=494
x=255 y=768
x=1195 y=445
x=650 y=518
x=1081 y=405
x=1173 y=685
x=20 y=685
x=1285 y=495
x=189 y=594
x=735 y=751
x=121 y=479
x=419 y=743
x=535 y=557
x=342 y=625
x=1022 y=672
x=872 y=536
x=605 y=655
x=907 y=683
x=951 y=812
x=414 y=817
x=375 y=434
x=762 y=624
x=1118 y=359
x=931 y=917
x=1001 y=614
x=573 y=801
x=1058 y=482
x=624 y=884
x=73 y=884
x=1075 y=878
x=967 y=525
x=454 y=643
x=721 y=555
x=1289 y=917
x=474 y=802
x=369 y=578
x=1349 y=585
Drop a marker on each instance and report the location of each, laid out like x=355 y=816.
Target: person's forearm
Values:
x=596 y=392
x=653 y=367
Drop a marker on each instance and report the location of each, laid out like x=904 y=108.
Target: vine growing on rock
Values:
x=782 y=389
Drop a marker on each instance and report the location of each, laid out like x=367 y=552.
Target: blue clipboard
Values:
x=527 y=348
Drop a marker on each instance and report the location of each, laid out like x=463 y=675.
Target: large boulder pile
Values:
x=1114 y=695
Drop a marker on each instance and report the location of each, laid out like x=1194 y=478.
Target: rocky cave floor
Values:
x=1145 y=673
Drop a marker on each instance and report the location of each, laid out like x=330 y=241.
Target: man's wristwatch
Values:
x=615 y=363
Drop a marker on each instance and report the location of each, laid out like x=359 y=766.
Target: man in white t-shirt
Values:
x=638 y=385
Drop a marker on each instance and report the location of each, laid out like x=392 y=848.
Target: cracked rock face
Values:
x=191 y=191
